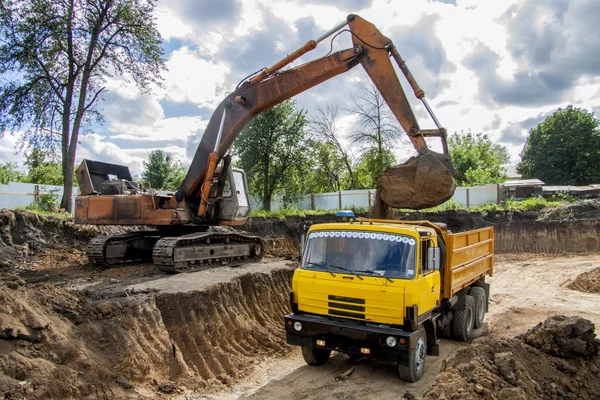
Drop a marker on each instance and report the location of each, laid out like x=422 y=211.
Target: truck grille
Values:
x=340 y=302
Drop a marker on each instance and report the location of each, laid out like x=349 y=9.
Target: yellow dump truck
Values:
x=388 y=289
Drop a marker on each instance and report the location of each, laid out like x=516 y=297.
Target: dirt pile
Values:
x=587 y=282
x=555 y=359
x=420 y=182
x=24 y=234
x=59 y=344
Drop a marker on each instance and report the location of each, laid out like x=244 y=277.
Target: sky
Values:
x=498 y=67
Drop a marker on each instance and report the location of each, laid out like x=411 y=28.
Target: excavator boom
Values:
x=213 y=193
x=411 y=186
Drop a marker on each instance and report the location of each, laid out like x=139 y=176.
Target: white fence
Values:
x=16 y=195
x=474 y=196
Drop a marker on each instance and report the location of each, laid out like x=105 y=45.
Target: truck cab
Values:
x=373 y=288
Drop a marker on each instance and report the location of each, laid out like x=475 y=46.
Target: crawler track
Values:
x=174 y=254
x=198 y=251
x=110 y=251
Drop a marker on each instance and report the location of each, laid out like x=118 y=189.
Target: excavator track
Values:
x=199 y=251
x=112 y=251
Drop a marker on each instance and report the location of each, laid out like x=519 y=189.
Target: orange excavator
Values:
x=216 y=194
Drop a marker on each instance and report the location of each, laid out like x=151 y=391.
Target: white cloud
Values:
x=97 y=147
x=193 y=79
x=8 y=152
x=175 y=129
x=170 y=25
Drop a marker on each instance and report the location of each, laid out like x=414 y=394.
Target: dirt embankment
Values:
x=24 y=234
x=557 y=359
x=55 y=343
x=569 y=229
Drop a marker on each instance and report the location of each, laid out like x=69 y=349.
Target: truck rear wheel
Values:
x=314 y=356
x=464 y=320
x=478 y=294
x=416 y=359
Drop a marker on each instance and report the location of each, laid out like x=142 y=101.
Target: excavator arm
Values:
x=183 y=240
x=371 y=49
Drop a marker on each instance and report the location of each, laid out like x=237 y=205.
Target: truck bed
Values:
x=469 y=257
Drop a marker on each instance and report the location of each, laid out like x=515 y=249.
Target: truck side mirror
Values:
x=433 y=258
x=301 y=249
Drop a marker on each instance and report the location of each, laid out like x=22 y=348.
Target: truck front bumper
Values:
x=349 y=337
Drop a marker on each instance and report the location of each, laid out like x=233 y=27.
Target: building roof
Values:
x=524 y=182
x=572 y=189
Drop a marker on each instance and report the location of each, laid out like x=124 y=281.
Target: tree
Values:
x=329 y=170
x=10 y=173
x=56 y=55
x=376 y=130
x=477 y=160
x=162 y=171
x=563 y=149
x=370 y=162
x=272 y=151
x=43 y=169
x=325 y=127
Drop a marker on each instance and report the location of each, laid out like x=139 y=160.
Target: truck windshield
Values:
x=359 y=252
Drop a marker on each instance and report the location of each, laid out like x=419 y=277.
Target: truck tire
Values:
x=314 y=356
x=464 y=320
x=416 y=359
x=446 y=331
x=478 y=294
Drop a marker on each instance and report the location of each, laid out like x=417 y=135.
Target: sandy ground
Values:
x=525 y=290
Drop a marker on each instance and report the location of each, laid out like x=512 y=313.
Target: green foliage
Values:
x=290 y=211
x=563 y=196
x=10 y=173
x=477 y=160
x=42 y=169
x=563 y=149
x=273 y=150
x=328 y=172
x=162 y=171
x=48 y=203
x=371 y=164
x=55 y=57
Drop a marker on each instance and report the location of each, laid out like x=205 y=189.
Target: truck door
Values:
x=429 y=280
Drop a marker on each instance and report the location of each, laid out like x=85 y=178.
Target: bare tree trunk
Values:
x=349 y=168
x=266 y=192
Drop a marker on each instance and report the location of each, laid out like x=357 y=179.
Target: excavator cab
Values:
x=234 y=200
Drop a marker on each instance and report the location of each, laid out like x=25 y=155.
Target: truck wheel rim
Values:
x=470 y=320
x=420 y=352
x=480 y=309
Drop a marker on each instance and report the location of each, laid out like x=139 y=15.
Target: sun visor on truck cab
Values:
x=91 y=174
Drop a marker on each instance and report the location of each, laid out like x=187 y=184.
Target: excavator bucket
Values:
x=421 y=182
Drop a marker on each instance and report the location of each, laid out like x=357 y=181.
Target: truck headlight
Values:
x=297 y=326
x=391 y=341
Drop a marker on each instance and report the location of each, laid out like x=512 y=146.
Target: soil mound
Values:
x=566 y=337
x=587 y=282
x=512 y=369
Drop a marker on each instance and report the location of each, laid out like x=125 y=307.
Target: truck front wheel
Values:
x=464 y=320
x=315 y=356
x=416 y=359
